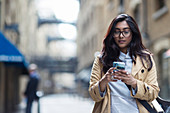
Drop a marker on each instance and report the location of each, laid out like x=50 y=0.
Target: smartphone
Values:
x=119 y=65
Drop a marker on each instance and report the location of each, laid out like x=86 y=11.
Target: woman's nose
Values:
x=121 y=35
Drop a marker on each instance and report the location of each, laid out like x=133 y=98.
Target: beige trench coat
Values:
x=147 y=84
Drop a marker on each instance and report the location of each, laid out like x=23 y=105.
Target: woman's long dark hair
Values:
x=111 y=51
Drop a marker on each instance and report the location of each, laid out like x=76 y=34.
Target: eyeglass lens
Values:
x=125 y=33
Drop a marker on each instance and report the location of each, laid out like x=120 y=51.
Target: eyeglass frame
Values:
x=121 y=32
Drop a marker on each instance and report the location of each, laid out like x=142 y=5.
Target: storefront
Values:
x=12 y=65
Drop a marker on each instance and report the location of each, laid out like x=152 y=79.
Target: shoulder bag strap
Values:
x=147 y=106
x=144 y=103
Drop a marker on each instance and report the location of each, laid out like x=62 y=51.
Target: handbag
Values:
x=165 y=104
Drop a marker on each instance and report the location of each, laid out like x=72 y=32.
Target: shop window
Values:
x=137 y=14
x=159 y=4
x=160 y=9
x=121 y=6
x=122 y=3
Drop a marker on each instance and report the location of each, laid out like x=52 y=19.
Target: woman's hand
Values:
x=108 y=77
x=125 y=77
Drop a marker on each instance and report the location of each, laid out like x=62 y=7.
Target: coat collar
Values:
x=136 y=67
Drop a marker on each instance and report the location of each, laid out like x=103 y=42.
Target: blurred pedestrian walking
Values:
x=31 y=88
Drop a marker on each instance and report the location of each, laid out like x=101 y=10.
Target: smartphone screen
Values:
x=119 y=65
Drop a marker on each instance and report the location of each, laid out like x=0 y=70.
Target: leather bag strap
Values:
x=144 y=103
x=147 y=106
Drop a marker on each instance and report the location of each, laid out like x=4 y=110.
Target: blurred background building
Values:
x=31 y=32
x=15 y=29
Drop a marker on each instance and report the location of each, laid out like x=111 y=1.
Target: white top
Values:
x=121 y=100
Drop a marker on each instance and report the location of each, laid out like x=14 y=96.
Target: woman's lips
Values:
x=121 y=41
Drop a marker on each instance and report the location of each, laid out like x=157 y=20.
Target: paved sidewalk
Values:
x=61 y=103
x=65 y=104
x=22 y=106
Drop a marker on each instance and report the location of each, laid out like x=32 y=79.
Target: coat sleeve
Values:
x=26 y=93
x=148 y=89
x=94 y=80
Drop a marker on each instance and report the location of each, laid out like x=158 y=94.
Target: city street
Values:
x=63 y=103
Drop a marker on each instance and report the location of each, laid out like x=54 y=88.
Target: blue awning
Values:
x=10 y=55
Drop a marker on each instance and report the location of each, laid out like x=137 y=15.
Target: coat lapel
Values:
x=136 y=67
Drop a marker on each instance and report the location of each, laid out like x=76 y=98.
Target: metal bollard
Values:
x=39 y=94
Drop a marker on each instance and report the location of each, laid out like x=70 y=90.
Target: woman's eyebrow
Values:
x=123 y=28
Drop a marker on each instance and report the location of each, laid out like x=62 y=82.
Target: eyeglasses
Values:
x=126 y=33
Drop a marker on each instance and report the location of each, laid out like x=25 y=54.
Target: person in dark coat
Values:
x=31 y=89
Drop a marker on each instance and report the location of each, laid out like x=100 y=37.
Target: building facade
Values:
x=20 y=25
x=17 y=24
x=152 y=17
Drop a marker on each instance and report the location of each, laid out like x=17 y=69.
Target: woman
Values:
x=108 y=88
